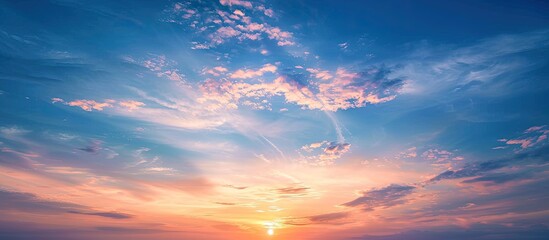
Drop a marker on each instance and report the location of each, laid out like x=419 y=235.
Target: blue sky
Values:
x=232 y=119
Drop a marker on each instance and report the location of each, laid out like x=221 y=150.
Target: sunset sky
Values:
x=296 y=119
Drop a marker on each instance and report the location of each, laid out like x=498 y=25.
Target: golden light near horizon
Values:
x=271 y=225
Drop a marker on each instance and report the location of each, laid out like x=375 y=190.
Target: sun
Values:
x=270 y=231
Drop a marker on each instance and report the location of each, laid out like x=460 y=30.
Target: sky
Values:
x=305 y=119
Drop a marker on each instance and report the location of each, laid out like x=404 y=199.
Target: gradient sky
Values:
x=307 y=119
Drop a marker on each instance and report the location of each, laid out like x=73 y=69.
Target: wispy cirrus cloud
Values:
x=385 y=197
x=478 y=169
x=433 y=69
x=335 y=218
x=90 y=105
x=28 y=202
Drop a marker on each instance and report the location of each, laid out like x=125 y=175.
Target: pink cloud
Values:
x=222 y=33
x=337 y=148
x=320 y=74
x=534 y=129
x=159 y=64
x=156 y=63
x=524 y=143
x=266 y=11
x=216 y=71
x=251 y=27
x=239 y=13
x=345 y=90
x=312 y=146
x=233 y=24
x=131 y=104
x=242 y=3
x=89 y=105
x=542 y=138
x=200 y=46
x=409 y=153
x=188 y=13
x=56 y=100
x=248 y=73
x=255 y=36
x=283 y=37
x=532 y=136
x=324 y=153
x=171 y=75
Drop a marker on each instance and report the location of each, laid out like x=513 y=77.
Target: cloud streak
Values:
x=385 y=197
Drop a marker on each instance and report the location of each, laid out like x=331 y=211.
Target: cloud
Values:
x=499 y=178
x=163 y=67
x=534 y=129
x=346 y=90
x=534 y=156
x=159 y=169
x=266 y=11
x=131 y=104
x=248 y=73
x=216 y=71
x=312 y=146
x=336 y=218
x=173 y=75
x=283 y=38
x=334 y=148
x=91 y=149
x=225 y=203
x=28 y=202
x=324 y=153
x=242 y=3
x=221 y=26
x=113 y=215
x=292 y=190
x=95 y=148
x=89 y=105
x=385 y=197
x=156 y=64
x=320 y=74
x=481 y=231
x=12 y=131
x=222 y=33
x=56 y=100
x=328 y=217
x=239 y=13
x=533 y=136
x=235 y=187
x=409 y=153
x=482 y=68
x=343 y=46
x=252 y=27
x=524 y=143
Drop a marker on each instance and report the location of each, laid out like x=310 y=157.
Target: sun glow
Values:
x=270 y=231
